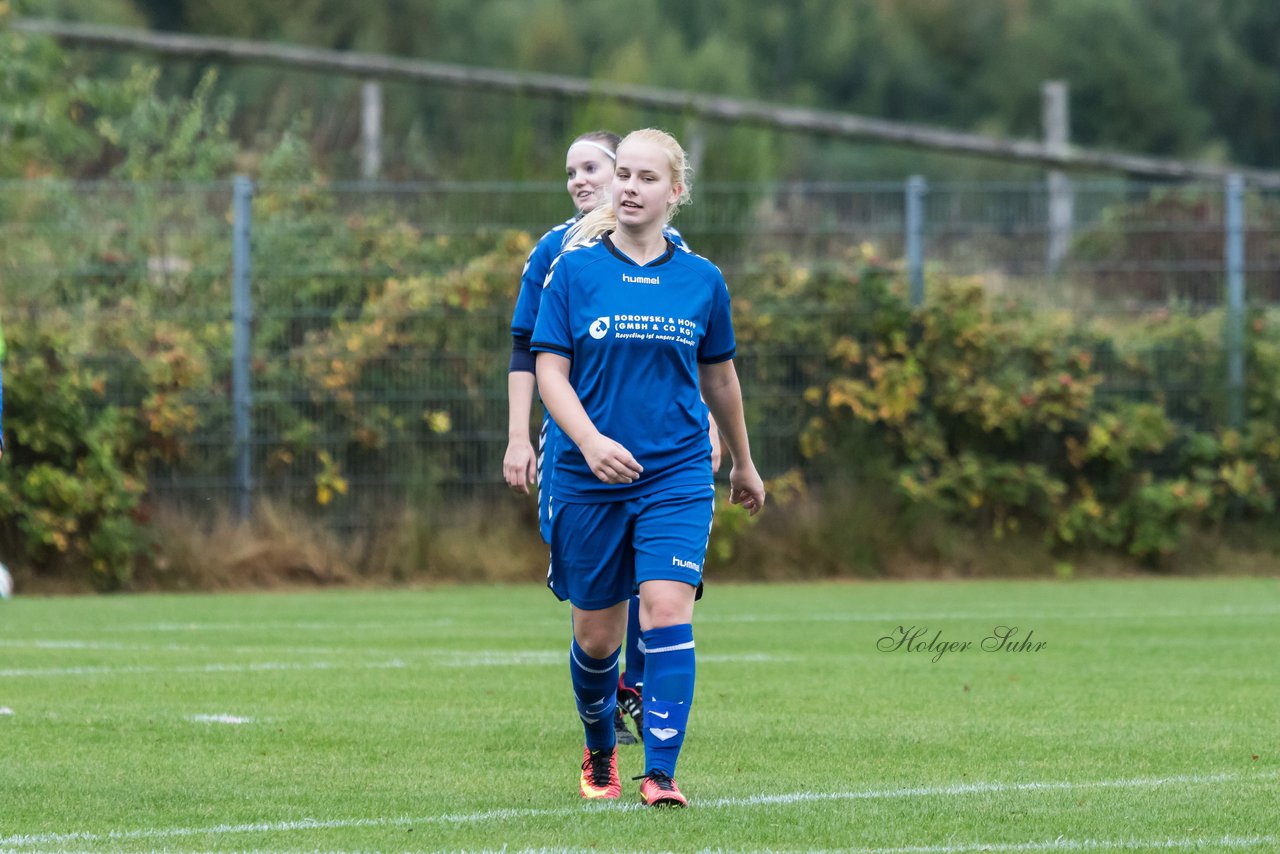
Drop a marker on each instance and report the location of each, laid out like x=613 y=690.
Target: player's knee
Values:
x=597 y=646
x=598 y=638
x=667 y=610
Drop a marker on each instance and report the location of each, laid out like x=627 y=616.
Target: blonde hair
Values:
x=603 y=218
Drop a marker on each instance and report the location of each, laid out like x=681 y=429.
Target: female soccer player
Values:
x=632 y=329
x=589 y=167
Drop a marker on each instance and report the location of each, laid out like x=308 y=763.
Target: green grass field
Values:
x=443 y=719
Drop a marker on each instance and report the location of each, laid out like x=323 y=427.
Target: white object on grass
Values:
x=6 y=582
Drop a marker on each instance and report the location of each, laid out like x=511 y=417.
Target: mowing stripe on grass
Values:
x=66 y=644
x=443 y=622
x=205 y=668
x=97 y=646
x=28 y=840
x=445 y=658
x=952 y=616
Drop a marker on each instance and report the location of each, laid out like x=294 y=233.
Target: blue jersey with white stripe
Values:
x=635 y=335
x=534 y=276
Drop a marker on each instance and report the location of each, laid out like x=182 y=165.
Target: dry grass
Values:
x=847 y=532
x=280 y=547
x=840 y=532
x=277 y=548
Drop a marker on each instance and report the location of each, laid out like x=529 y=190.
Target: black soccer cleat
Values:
x=630 y=701
x=620 y=728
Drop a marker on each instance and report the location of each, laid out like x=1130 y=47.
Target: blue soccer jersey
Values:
x=635 y=335
x=534 y=276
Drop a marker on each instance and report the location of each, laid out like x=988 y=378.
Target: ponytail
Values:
x=591 y=226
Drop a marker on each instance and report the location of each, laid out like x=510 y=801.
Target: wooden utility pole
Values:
x=709 y=107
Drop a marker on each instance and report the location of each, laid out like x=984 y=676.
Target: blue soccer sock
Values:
x=668 y=694
x=633 y=675
x=595 y=687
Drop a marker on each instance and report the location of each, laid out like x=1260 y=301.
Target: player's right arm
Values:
x=520 y=462
x=607 y=459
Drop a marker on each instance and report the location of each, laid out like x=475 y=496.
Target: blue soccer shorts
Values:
x=602 y=553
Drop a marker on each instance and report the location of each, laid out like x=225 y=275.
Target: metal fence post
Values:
x=1053 y=95
x=371 y=130
x=1234 y=332
x=241 y=320
x=916 y=189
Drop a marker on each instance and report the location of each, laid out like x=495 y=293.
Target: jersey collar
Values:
x=661 y=259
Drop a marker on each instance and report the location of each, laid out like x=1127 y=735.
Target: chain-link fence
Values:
x=283 y=288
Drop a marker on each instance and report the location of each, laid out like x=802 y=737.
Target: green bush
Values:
x=74 y=482
x=1001 y=418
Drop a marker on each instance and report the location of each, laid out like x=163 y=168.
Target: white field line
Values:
x=503 y=658
x=1218 y=843
x=256 y=667
x=220 y=719
x=20 y=841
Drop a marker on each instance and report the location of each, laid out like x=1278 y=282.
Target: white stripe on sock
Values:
x=605 y=669
x=673 y=648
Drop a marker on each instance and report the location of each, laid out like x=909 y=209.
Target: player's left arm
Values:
x=723 y=394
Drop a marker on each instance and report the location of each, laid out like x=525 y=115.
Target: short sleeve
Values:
x=551 y=333
x=718 y=345
x=529 y=300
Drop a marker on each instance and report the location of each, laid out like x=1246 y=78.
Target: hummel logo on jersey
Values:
x=600 y=328
x=685 y=564
x=641 y=280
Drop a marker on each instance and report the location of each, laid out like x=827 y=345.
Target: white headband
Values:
x=595 y=144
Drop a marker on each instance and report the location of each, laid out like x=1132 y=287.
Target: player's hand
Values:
x=746 y=488
x=610 y=461
x=520 y=465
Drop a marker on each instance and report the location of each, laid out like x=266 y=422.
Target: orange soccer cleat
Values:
x=659 y=790
x=600 y=774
